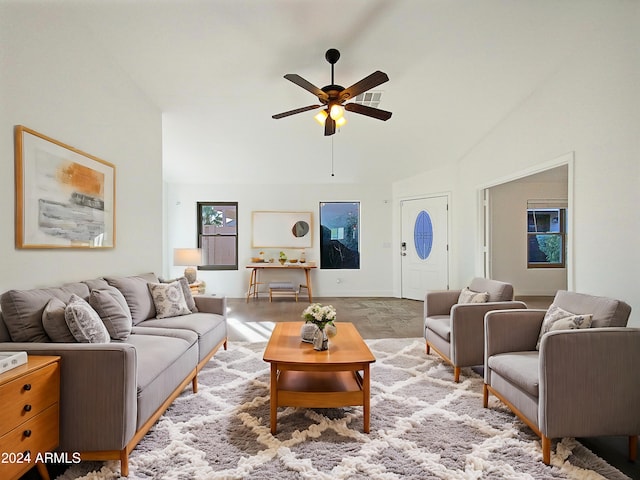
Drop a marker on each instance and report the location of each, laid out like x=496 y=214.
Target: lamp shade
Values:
x=190 y=257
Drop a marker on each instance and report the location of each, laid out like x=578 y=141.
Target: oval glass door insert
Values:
x=423 y=235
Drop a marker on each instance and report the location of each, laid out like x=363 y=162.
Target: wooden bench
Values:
x=282 y=289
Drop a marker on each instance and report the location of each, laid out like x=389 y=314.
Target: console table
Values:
x=256 y=267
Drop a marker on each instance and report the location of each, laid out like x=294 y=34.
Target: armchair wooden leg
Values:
x=456 y=374
x=485 y=395
x=428 y=348
x=546 y=449
x=633 y=448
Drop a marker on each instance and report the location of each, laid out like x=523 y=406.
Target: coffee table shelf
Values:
x=319 y=389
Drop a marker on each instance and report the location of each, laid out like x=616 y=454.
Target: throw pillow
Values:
x=54 y=323
x=112 y=307
x=558 y=319
x=134 y=289
x=186 y=290
x=168 y=299
x=469 y=296
x=84 y=322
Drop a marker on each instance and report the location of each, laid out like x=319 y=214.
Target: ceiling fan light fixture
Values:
x=336 y=112
x=321 y=116
x=341 y=121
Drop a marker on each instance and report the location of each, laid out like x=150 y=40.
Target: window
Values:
x=340 y=238
x=546 y=234
x=218 y=235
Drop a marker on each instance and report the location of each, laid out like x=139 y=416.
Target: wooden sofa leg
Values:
x=124 y=463
x=194 y=384
x=485 y=395
x=546 y=449
x=633 y=448
x=456 y=374
x=428 y=348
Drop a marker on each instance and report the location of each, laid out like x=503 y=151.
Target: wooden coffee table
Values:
x=304 y=377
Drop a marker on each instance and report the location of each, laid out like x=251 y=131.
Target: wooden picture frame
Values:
x=282 y=229
x=65 y=198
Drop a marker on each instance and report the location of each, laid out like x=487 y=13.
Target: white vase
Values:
x=307 y=332
x=320 y=340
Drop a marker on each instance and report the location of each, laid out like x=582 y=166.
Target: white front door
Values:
x=424 y=246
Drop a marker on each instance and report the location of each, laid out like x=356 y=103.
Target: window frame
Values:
x=200 y=235
x=562 y=233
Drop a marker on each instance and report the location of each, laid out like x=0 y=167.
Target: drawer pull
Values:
x=27 y=408
x=27 y=433
x=27 y=386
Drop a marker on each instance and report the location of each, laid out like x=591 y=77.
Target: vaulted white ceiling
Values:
x=215 y=68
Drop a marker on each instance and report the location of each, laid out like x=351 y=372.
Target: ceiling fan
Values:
x=333 y=97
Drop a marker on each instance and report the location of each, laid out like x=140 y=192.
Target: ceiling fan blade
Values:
x=297 y=110
x=329 y=126
x=310 y=87
x=367 y=83
x=368 y=111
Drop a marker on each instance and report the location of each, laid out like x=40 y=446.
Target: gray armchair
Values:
x=455 y=331
x=580 y=383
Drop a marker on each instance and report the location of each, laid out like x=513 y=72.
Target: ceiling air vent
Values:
x=370 y=99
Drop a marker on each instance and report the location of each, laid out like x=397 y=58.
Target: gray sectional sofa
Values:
x=114 y=389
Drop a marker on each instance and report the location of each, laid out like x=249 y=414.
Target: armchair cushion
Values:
x=498 y=291
x=557 y=318
x=519 y=368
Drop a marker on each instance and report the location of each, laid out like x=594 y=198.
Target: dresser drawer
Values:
x=27 y=396
x=37 y=435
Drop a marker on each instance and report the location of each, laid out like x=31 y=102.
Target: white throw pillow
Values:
x=84 y=322
x=168 y=299
x=469 y=296
x=558 y=319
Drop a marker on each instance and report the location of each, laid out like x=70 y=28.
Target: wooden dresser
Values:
x=29 y=415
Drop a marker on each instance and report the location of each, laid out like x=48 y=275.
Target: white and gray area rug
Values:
x=423 y=426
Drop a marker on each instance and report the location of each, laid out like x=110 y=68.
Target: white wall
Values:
x=374 y=278
x=508 y=246
x=56 y=80
x=590 y=105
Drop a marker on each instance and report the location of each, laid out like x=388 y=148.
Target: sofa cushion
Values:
x=519 y=368
x=113 y=310
x=164 y=359
x=470 y=296
x=168 y=299
x=135 y=291
x=210 y=328
x=22 y=311
x=186 y=290
x=84 y=322
x=54 y=322
x=557 y=318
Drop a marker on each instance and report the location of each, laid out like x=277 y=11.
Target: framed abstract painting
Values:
x=65 y=198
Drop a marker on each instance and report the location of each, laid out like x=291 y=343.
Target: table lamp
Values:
x=189 y=257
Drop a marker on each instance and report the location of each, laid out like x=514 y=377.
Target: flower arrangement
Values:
x=319 y=315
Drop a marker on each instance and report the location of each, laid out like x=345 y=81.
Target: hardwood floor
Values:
x=373 y=317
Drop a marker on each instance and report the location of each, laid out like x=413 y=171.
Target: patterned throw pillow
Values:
x=168 y=299
x=84 y=322
x=186 y=290
x=558 y=319
x=469 y=296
